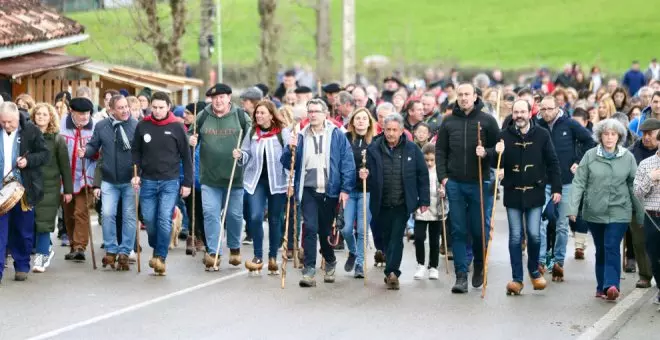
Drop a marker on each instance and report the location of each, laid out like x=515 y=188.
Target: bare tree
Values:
x=205 y=32
x=150 y=32
x=269 y=41
x=323 y=41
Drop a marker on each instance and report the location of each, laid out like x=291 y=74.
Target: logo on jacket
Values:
x=409 y=159
x=147 y=138
x=564 y=134
x=168 y=133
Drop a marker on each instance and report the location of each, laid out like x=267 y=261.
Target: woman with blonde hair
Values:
x=56 y=173
x=362 y=130
x=606 y=108
x=25 y=102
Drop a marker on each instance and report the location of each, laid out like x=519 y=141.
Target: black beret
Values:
x=650 y=124
x=264 y=89
x=332 y=88
x=81 y=104
x=191 y=107
x=303 y=89
x=218 y=89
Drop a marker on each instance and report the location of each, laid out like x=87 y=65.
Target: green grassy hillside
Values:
x=507 y=33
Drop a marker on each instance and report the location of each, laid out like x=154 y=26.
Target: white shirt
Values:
x=8 y=144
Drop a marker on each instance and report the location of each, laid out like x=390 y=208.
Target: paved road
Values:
x=70 y=301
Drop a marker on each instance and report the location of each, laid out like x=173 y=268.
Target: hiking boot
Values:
x=255 y=265
x=189 y=246
x=379 y=259
x=478 y=276
x=307 y=280
x=109 y=260
x=123 y=263
x=420 y=272
x=631 y=266
x=461 y=285
x=79 y=255
x=579 y=254
x=434 y=274
x=209 y=262
x=235 y=257
x=65 y=241
x=643 y=283
x=350 y=262
x=199 y=244
x=70 y=255
x=392 y=282
x=514 y=288
x=329 y=276
x=20 y=276
x=272 y=266
x=38 y=266
x=159 y=266
x=359 y=272
x=538 y=283
x=557 y=273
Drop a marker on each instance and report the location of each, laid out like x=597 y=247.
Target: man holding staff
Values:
x=458 y=170
x=219 y=126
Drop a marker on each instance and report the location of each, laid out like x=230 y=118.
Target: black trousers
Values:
x=199 y=214
x=393 y=221
x=434 y=230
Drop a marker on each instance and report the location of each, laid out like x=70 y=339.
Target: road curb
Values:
x=609 y=324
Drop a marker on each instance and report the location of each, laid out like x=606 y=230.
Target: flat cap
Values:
x=253 y=93
x=218 y=89
x=81 y=104
x=303 y=89
x=650 y=124
x=332 y=88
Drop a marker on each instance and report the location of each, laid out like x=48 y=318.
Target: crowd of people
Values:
x=577 y=155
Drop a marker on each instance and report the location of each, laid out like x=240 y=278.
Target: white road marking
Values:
x=132 y=308
x=611 y=317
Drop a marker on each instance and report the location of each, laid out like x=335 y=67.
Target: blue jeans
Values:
x=42 y=243
x=276 y=204
x=561 y=226
x=465 y=215
x=607 y=241
x=213 y=201
x=157 y=199
x=354 y=212
x=110 y=194
x=533 y=223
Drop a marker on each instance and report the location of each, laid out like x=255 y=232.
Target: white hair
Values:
x=610 y=124
x=9 y=108
x=394 y=117
x=385 y=106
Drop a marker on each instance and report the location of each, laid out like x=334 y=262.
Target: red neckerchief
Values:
x=260 y=134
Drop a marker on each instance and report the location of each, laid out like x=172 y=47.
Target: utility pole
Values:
x=218 y=24
x=348 y=42
x=205 y=41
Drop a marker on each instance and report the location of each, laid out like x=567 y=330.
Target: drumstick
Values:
x=14 y=167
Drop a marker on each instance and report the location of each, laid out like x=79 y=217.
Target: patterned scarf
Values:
x=118 y=125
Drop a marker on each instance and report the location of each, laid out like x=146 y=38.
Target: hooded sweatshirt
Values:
x=158 y=149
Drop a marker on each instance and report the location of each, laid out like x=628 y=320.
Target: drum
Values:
x=10 y=194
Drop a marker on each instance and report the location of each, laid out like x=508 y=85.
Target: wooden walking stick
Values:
x=296 y=248
x=364 y=216
x=224 y=211
x=137 y=219
x=481 y=205
x=194 y=245
x=289 y=194
x=492 y=226
x=89 y=218
x=444 y=232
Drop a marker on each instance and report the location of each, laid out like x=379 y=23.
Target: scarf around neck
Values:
x=118 y=125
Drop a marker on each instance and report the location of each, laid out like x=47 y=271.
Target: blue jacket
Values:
x=566 y=133
x=117 y=165
x=340 y=163
x=633 y=81
x=636 y=123
x=415 y=175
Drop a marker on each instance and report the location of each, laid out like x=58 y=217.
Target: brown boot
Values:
x=159 y=266
x=199 y=244
x=255 y=265
x=272 y=266
x=109 y=260
x=123 y=262
x=557 y=273
x=392 y=282
x=579 y=254
x=542 y=269
x=514 y=288
x=235 y=257
x=538 y=283
x=189 y=246
x=209 y=262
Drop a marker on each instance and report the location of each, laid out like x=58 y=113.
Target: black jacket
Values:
x=117 y=165
x=358 y=146
x=529 y=161
x=455 y=148
x=32 y=141
x=566 y=135
x=641 y=152
x=415 y=174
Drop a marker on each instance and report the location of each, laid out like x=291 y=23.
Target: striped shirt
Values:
x=646 y=189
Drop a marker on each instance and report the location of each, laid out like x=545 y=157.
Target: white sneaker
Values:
x=38 y=264
x=433 y=274
x=47 y=258
x=420 y=272
x=132 y=257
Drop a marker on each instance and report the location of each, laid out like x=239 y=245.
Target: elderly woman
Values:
x=605 y=177
x=264 y=180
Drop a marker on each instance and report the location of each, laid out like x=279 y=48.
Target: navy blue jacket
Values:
x=117 y=166
x=633 y=81
x=415 y=174
x=566 y=134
